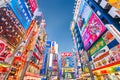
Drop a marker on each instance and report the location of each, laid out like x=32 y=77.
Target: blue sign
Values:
x=20 y=10
x=48 y=44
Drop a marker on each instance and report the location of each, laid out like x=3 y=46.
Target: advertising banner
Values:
x=108 y=37
x=97 y=46
x=85 y=15
x=33 y=5
x=116 y=52
x=21 y=11
x=94 y=28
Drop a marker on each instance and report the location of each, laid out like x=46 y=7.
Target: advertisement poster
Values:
x=21 y=11
x=116 y=52
x=108 y=37
x=86 y=15
x=33 y=5
x=97 y=46
x=95 y=28
x=10 y=28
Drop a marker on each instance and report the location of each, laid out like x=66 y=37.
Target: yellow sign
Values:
x=68 y=70
x=115 y=3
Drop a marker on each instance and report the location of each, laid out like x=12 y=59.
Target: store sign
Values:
x=97 y=46
x=66 y=54
x=33 y=5
x=94 y=30
x=21 y=11
x=100 y=52
x=68 y=70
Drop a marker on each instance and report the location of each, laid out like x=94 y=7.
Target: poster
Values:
x=94 y=28
x=116 y=52
x=108 y=37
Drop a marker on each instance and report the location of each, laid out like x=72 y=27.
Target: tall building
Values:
x=22 y=39
x=68 y=65
x=98 y=32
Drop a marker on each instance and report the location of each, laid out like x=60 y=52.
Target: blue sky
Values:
x=58 y=16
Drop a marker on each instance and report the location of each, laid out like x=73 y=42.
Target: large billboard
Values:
x=84 y=15
x=94 y=29
x=21 y=11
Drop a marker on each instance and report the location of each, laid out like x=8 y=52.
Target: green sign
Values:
x=99 y=44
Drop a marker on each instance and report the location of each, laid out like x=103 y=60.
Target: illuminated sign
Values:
x=94 y=30
x=65 y=54
x=21 y=11
x=10 y=27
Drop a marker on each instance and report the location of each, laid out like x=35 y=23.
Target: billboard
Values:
x=97 y=46
x=10 y=27
x=84 y=16
x=94 y=29
x=21 y=11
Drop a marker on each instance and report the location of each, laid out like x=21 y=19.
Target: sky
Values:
x=58 y=15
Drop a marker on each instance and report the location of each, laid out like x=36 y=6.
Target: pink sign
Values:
x=94 y=30
x=33 y=5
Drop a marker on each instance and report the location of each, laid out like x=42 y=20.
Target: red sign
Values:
x=65 y=54
x=33 y=5
x=2 y=47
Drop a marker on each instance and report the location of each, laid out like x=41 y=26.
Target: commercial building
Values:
x=22 y=40
x=98 y=23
